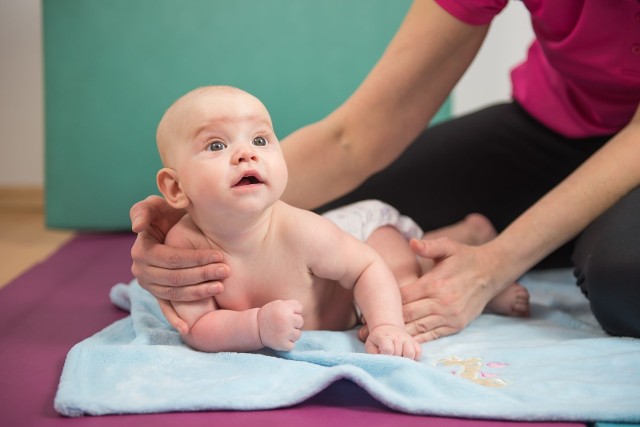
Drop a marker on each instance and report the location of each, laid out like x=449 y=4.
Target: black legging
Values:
x=498 y=162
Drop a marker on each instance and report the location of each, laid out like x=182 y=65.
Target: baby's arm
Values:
x=276 y=324
x=377 y=294
x=339 y=256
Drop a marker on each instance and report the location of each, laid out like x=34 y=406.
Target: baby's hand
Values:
x=394 y=341
x=279 y=323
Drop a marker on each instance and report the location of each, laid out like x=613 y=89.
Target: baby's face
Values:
x=227 y=155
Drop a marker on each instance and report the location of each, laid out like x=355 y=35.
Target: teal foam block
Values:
x=112 y=68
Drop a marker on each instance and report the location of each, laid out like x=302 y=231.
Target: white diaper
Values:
x=361 y=219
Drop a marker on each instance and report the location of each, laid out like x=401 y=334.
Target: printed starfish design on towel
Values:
x=472 y=370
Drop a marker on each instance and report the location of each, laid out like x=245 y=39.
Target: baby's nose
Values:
x=246 y=154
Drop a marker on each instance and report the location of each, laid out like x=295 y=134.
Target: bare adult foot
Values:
x=474 y=229
x=513 y=301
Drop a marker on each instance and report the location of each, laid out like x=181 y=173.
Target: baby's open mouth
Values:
x=248 y=180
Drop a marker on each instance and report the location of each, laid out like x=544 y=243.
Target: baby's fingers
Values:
x=172 y=317
x=386 y=346
x=411 y=350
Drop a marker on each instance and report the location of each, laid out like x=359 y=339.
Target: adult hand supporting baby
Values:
x=454 y=292
x=171 y=274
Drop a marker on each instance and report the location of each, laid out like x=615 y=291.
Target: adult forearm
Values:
x=405 y=89
x=565 y=211
x=318 y=165
x=396 y=101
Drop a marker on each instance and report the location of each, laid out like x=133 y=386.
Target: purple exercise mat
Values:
x=65 y=299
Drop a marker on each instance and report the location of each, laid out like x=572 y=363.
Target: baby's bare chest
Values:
x=326 y=304
x=252 y=285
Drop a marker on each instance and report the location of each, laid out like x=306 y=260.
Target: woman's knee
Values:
x=613 y=291
x=607 y=262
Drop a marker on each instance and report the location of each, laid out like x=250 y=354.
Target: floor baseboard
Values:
x=21 y=198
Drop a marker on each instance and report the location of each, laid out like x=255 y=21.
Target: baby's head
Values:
x=219 y=150
x=204 y=104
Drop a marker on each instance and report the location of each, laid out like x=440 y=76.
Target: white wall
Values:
x=487 y=80
x=21 y=99
x=21 y=82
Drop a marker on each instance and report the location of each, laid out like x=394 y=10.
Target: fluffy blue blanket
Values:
x=556 y=365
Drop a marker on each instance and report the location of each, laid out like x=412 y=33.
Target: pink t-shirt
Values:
x=582 y=73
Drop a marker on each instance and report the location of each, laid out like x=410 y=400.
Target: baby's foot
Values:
x=513 y=301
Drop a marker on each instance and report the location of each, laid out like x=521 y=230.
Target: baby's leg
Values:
x=395 y=251
x=476 y=229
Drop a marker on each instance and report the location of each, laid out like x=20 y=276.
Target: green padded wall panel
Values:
x=113 y=67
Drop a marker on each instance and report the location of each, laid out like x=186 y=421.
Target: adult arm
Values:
x=336 y=255
x=465 y=278
x=425 y=59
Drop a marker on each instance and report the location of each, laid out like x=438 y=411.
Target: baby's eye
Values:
x=216 y=146
x=259 y=141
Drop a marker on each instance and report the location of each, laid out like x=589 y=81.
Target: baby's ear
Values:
x=169 y=186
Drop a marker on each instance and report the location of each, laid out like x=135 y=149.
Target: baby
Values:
x=290 y=269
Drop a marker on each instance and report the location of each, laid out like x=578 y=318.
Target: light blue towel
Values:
x=557 y=365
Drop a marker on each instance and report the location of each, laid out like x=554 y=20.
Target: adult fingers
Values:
x=154 y=215
x=428 y=285
x=424 y=325
x=184 y=293
x=435 y=249
x=146 y=250
x=208 y=274
x=435 y=334
x=172 y=316
x=183 y=276
x=415 y=291
x=144 y=212
x=432 y=327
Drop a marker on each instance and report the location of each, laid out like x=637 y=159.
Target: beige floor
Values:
x=24 y=241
